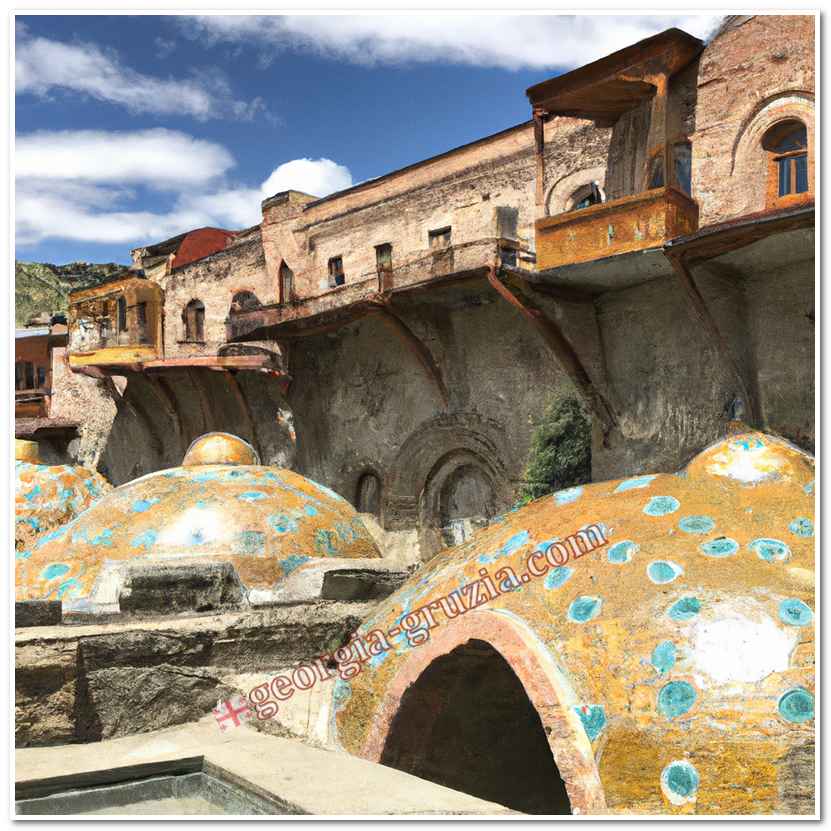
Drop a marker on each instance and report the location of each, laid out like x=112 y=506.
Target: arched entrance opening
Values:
x=368 y=494
x=467 y=723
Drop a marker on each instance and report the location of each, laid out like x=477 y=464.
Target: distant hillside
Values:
x=43 y=287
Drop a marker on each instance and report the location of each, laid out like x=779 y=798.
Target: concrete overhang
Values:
x=605 y=89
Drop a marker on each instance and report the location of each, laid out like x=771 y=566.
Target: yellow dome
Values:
x=47 y=496
x=264 y=520
x=220 y=449
x=672 y=667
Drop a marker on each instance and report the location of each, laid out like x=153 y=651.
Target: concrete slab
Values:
x=306 y=780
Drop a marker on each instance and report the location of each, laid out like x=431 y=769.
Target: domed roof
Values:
x=47 y=496
x=672 y=667
x=266 y=521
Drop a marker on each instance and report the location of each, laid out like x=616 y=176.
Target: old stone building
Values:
x=630 y=245
x=639 y=644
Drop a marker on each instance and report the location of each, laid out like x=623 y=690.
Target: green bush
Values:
x=560 y=454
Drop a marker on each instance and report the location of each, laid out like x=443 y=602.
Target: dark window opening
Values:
x=286 y=284
x=336 y=275
x=656 y=173
x=141 y=322
x=682 y=164
x=587 y=195
x=468 y=724
x=41 y=371
x=121 y=306
x=439 y=238
x=383 y=264
x=194 y=318
x=368 y=499
x=24 y=376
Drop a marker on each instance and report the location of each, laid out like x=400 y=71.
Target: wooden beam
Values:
x=702 y=312
x=414 y=344
x=238 y=393
x=560 y=346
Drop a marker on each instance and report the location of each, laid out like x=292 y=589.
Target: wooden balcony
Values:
x=632 y=223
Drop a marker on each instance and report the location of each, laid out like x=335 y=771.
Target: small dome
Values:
x=48 y=496
x=672 y=666
x=266 y=521
x=220 y=449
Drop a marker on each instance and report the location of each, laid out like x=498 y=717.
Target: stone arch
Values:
x=543 y=682
x=560 y=193
x=749 y=158
x=430 y=454
x=368 y=492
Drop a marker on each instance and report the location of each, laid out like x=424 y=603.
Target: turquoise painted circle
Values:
x=621 y=552
x=663 y=571
x=661 y=505
x=557 y=576
x=795 y=613
x=54 y=570
x=719 y=547
x=770 y=550
x=802 y=527
x=685 y=608
x=697 y=524
x=663 y=656
x=797 y=705
x=676 y=698
x=584 y=609
x=680 y=778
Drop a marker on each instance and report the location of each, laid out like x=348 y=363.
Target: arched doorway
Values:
x=368 y=495
x=468 y=724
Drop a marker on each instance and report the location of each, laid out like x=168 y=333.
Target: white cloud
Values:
x=43 y=65
x=82 y=186
x=515 y=42
x=318 y=177
x=163 y=158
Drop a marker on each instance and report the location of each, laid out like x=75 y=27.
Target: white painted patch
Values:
x=735 y=648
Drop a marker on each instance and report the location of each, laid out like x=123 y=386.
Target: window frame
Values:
x=337 y=276
x=787 y=160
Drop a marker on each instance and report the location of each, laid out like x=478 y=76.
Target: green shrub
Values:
x=560 y=454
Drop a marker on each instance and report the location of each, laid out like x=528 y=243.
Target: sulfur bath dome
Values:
x=670 y=670
x=48 y=496
x=221 y=505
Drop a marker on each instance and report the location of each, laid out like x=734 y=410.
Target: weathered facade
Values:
x=628 y=245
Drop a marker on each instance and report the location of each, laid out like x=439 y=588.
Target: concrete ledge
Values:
x=310 y=780
x=37 y=613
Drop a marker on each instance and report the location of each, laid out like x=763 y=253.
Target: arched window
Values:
x=194 y=320
x=244 y=301
x=587 y=195
x=368 y=499
x=786 y=144
x=286 y=283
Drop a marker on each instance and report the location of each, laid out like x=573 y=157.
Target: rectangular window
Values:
x=383 y=256
x=784 y=176
x=336 y=276
x=801 y=165
x=41 y=377
x=18 y=376
x=141 y=322
x=30 y=375
x=438 y=239
x=122 y=314
x=682 y=160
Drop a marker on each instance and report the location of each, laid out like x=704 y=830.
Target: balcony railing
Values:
x=631 y=223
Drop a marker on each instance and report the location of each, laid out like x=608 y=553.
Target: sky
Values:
x=132 y=129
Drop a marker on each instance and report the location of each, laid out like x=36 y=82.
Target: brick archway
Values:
x=544 y=683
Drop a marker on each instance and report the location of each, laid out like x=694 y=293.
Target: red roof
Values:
x=201 y=243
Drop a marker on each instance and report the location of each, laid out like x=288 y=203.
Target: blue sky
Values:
x=130 y=129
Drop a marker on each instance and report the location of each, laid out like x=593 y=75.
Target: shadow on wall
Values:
x=160 y=414
x=467 y=723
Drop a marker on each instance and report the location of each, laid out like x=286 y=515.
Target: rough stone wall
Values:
x=373 y=408
x=214 y=281
x=755 y=72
